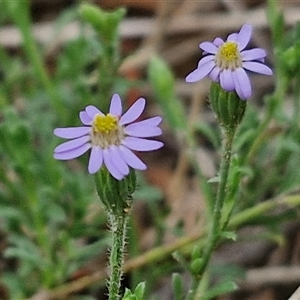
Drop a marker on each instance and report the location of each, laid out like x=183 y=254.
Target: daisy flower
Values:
x=112 y=138
x=226 y=62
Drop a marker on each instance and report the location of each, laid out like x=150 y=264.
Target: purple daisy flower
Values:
x=112 y=138
x=225 y=62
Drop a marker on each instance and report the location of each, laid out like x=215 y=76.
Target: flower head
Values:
x=112 y=138
x=226 y=62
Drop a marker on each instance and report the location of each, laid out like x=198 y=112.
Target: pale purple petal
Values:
x=92 y=111
x=138 y=130
x=138 y=144
x=244 y=36
x=133 y=112
x=232 y=37
x=110 y=166
x=131 y=159
x=72 y=144
x=85 y=119
x=198 y=74
x=237 y=87
x=214 y=74
x=226 y=80
x=218 y=42
x=154 y=121
x=116 y=105
x=66 y=155
x=96 y=160
x=118 y=160
x=209 y=47
x=242 y=83
x=253 y=54
x=71 y=132
x=205 y=60
x=257 y=67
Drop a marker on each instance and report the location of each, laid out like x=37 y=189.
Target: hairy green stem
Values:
x=118 y=226
x=214 y=233
x=215 y=229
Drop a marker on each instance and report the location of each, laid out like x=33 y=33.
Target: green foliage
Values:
x=163 y=83
x=50 y=216
x=220 y=289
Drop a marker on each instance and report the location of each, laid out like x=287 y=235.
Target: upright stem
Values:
x=214 y=233
x=118 y=226
x=116 y=196
x=215 y=230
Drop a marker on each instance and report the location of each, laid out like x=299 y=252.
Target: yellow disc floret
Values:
x=105 y=124
x=228 y=56
x=106 y=131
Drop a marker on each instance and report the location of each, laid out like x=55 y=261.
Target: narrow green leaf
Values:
x=163 y=83
x=221 y=289
x=177 y=286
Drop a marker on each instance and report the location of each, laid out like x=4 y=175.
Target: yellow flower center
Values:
x=228 y=56
x=105 y=124
x=106 y=131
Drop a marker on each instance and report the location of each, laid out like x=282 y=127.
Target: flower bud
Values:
x=228 y=107
x=105 y=23
x=116 y=195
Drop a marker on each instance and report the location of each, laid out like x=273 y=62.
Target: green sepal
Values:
x=116 y=195
x=228 y=107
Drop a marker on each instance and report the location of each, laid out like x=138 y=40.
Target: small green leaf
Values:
x=197 y=251
x=221 y=289
x=196 y=265
x=229 y=235
x=140 y=290
x=25 y=255
x=215 y=179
